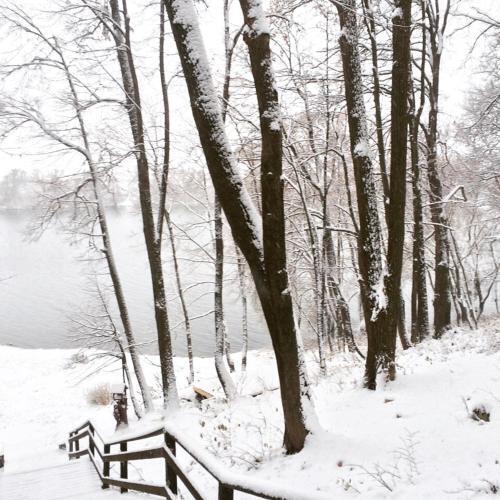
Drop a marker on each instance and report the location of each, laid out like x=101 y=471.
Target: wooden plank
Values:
x=152 y=489
x=170 y=475
x=78 y=454
x=77 y=437
x=201 y=393
x=156 y=432
x=78 y=429
x=105 y=467
x=175 y=466
x=123 y=467
x=225 y=492
x=134 y=455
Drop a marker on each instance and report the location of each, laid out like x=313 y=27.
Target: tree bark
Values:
x=369 y=250
x=419 y=300
x=401 y=29
x=442 y=285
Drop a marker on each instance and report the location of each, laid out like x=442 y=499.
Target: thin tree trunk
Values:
x=244 y=308
x=369 y=20
x=220 y=330
x=180 y=291
x=121 y=34
x=222 y=372
x=107 y=247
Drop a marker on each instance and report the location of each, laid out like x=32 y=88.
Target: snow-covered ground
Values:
x=412 y=439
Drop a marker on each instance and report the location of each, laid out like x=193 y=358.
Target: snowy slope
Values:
x=411 y=439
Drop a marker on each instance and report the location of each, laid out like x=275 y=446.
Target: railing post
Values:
x=123 y=467
x=225 y=492
x=105 y=466
x=70 y=444
x=91 y=439
x=171 y=477
x=77 y=446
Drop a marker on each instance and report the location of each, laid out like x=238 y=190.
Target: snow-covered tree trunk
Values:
x=419 y=300
x=369 y=20
x=242 y=280
x=163 y=212
x=120 y=30
x=373 y=292
x=442 y=285
x=222 y=371
x=220 y=329
x=272 y=284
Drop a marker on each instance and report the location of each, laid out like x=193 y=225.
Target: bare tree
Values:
x=21 y=113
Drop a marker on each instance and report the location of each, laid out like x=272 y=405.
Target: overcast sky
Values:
x=459 y=70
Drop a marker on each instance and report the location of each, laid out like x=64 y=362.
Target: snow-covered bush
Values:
x=77 y=358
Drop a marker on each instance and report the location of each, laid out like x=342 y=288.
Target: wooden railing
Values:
x=173 y=470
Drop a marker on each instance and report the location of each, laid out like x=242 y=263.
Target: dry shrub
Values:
x=100 y=395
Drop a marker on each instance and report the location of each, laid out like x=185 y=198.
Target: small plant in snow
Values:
x=405 y=467
x=482 y=486
x=477 y=410
x=99 y=395
x=78 y=358
x=232 y=437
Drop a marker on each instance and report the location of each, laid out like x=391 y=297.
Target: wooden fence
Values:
x=174 y=473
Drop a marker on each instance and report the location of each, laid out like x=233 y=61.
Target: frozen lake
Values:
x=49 y=281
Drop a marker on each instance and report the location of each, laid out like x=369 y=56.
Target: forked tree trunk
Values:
x=267 y=263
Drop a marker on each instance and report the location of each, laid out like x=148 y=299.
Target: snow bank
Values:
x=414 y=438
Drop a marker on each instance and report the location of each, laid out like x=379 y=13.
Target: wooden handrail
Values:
x=227 y=483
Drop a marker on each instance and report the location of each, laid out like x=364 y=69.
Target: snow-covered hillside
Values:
x=411 y=439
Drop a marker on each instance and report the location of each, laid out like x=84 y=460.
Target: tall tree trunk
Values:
x=163 y=213
x=401 y=29
x=373 y=293
x=220 y=329
x=419 y=300
x=442 y=292
x=121 y=34
x=268 y=262
x=369 y=19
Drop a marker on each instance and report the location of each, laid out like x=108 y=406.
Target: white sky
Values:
x=458 y=68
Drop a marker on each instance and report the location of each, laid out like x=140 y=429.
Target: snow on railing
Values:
x=228 y=480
